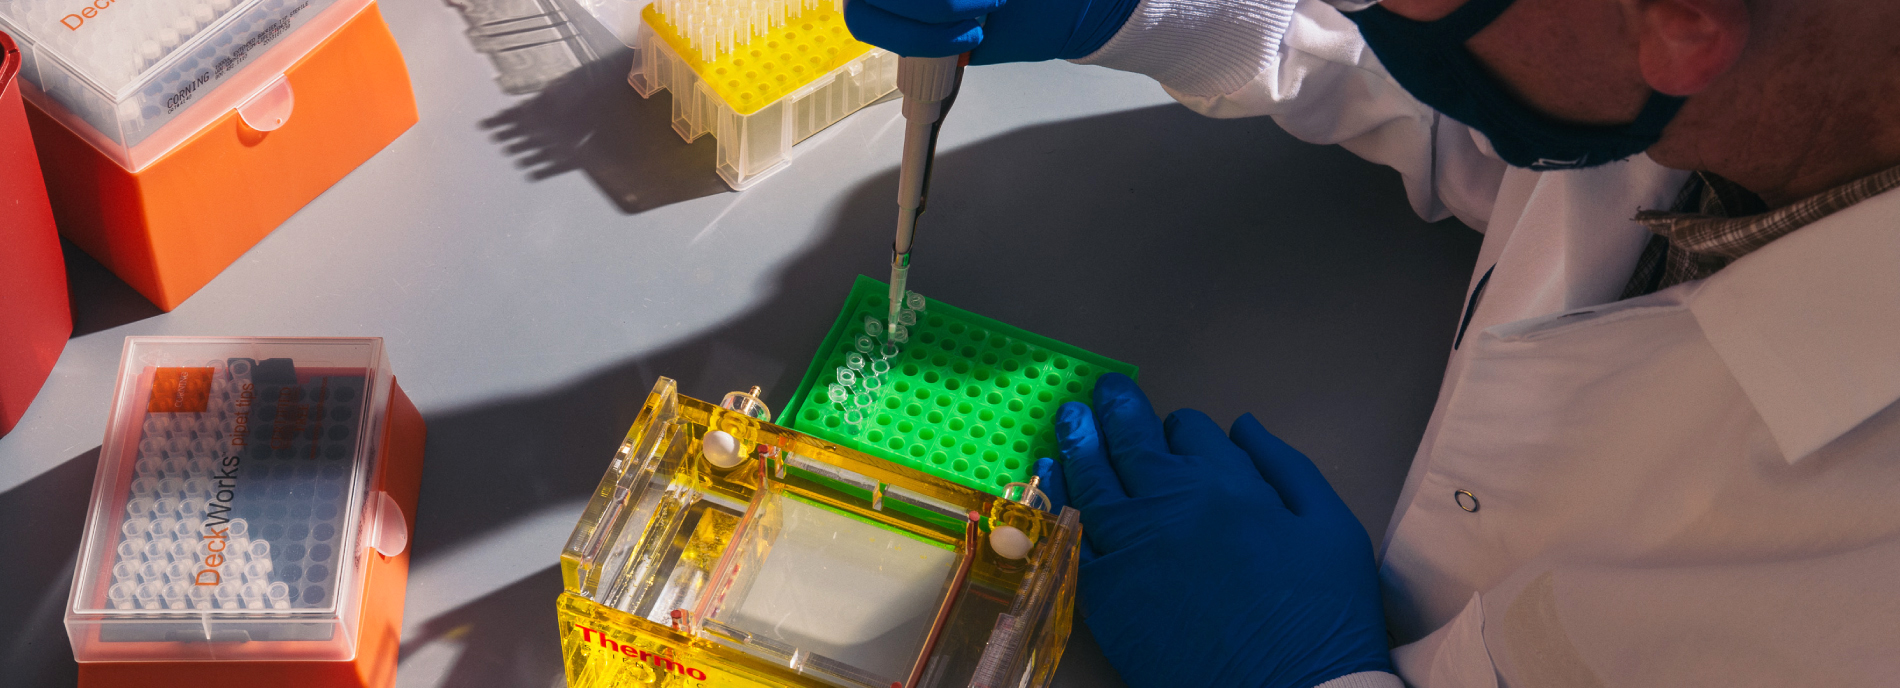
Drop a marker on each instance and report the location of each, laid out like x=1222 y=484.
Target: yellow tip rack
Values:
x=760 y=76
x=801 y=563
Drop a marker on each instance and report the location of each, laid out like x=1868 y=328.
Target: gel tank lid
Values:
x=233 y=503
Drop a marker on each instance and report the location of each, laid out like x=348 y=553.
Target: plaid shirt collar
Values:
x=1728 y=222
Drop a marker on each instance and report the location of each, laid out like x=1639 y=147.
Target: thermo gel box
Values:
x=250 y=517
x=722 y=551
x=175 y=134
x=34 y=314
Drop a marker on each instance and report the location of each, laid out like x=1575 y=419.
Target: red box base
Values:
x=35 y=314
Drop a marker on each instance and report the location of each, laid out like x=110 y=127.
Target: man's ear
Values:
x=1683 y=45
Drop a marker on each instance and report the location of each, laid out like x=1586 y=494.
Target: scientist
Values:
x=1667 y=449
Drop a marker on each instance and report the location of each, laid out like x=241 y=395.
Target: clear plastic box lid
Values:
x=233 y=503
x=118 y=72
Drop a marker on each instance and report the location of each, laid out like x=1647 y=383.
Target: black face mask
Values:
x=1430 y=60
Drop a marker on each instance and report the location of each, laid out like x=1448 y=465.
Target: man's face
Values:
x=1571 y=60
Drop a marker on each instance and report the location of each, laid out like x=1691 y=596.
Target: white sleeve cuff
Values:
x=1365 y=679
x=1198 y=47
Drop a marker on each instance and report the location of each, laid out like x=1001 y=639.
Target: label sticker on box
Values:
x=180 y=390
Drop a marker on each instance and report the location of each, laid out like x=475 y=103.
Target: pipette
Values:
x=929 y=85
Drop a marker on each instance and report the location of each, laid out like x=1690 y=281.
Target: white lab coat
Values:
x=1696 y=487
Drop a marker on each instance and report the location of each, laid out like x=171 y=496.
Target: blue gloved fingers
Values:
x=1053 y=483
x=1091 y=481
x=935 y=11
x=1135 y=442
x=1192 y=433
x=909 y=37
x=1300 y=484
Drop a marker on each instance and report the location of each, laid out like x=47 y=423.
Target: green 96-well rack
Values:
x=967 y=398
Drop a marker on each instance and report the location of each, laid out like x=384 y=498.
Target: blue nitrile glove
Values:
x=1010 y=30
x=1215 y=561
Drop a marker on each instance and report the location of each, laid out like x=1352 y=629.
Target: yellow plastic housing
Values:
x=807 y=47
x=806 y=564
x=764 y=97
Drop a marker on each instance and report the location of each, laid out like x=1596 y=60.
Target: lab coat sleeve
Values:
x=1364 y=679
x=1304 y=63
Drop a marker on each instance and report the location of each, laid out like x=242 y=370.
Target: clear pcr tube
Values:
x=136 y=527
x=120 y=595
x=278 y=594
x=227 y=596
x=178 y=572
x=253 y=595
x=162 y=527
x=864 y=344
x=837 y=393
x=847 y=376
x=182 y=550
x=125 y=572
x=880 y=367
x=130 y=549
x=163 y=506
x=873 y=326
x=890 y=350
x=200 y=596
x=177 y=595
x=150 y=595
x=260 y=549
x=854 y=361
x=914 y=301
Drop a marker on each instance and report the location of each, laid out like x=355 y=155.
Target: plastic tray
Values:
x=969 y=399
x=756 y=139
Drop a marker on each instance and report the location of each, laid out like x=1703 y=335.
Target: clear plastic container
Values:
x=138 y=77
x=233 y=509
x=755 y=141
x=804 y=564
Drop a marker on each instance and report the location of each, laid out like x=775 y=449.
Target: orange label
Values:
x=180 y=390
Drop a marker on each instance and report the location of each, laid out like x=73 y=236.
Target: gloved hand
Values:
x=1212 y=561
x=1010 y=30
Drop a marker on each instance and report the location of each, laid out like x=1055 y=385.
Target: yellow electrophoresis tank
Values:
x=721 y=550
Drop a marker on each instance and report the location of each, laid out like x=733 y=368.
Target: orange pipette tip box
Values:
x=168 y=182
x=250 y=517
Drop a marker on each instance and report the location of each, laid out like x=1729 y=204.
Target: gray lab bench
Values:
x=534 y=259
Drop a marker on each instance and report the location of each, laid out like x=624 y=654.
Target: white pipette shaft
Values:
x=929 y=85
